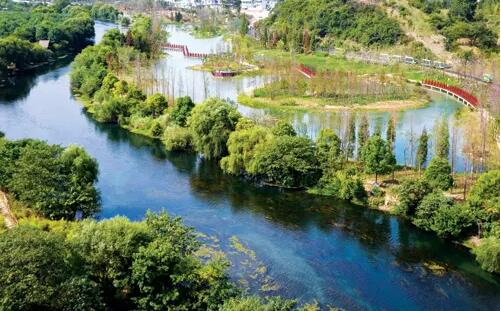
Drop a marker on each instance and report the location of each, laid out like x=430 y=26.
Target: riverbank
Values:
x=320 y=104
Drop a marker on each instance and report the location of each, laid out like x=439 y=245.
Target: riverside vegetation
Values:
x=332 y=165
x=67 y=27
x=49 y=261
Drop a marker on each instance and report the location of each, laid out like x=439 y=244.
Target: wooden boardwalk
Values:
x=184 y=49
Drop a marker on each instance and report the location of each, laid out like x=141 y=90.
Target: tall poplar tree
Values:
x=363 y=134
x=390 y=131
x=422 y=151
x=442 y=139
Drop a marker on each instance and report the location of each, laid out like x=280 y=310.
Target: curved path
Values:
x=9 y=218
x=456 y=92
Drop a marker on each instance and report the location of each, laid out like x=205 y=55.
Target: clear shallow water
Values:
x=313 y=247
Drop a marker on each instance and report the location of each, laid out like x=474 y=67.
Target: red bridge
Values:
x=458 y=93
x=184 y=49
x=306 y=71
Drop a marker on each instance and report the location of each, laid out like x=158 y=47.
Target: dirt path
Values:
x=9 y=218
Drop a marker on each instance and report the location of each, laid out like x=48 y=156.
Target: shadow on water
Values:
x=18 y=87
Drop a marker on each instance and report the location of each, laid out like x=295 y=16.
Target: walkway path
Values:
x=184 y=49
x=9 y=218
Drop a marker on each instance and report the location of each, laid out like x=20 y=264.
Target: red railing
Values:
x=472 y=100
x=185 y=50
x=306 y=71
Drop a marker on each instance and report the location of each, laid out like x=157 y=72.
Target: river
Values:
x=297 y=245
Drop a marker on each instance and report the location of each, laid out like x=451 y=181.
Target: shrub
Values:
x=439 y=214
x=487 y=254
x=155 y=105
x=283 y=128
x=344 y=185
x=438 y=174
x=177 y=139
x=410 y=193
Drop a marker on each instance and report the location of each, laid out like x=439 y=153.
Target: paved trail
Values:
x=9 y=218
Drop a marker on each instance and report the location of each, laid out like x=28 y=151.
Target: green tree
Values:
x=287 y=161
x=350 y=137
x=55 y=182
x=422 y=151
x=462 y=9
x=59 y=5
x=483 y=199
x=438 y=174
x=155 y=105
x=182 y=110
x=107 y=249
x=82 y=171
x=390 y=131
x=241 y=147
x=410 y=194
x=487 y=254
x=377 y=156
x=244 y=25
x=438 y=213
x=328 y=149
x=442 y=139
x=283 y=128
x=363 y=134
x=36 y=275
x=211 y=124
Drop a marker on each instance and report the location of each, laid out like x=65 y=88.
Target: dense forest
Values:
x=57 y=182
x=68 y=28
x=304 y=25
x=466 y=22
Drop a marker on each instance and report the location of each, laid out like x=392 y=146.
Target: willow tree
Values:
x=211 y=124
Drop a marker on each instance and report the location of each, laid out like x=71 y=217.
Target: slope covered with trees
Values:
x=301 y=26
x=68 y=28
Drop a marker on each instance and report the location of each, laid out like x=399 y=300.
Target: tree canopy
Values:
x=287 y=161
x=301 y=25
x=114 y=264
x=54 y=181
x=211 y=124
x=377 y=156
x=438 y=174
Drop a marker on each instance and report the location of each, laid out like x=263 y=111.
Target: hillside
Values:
x=435 y=29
